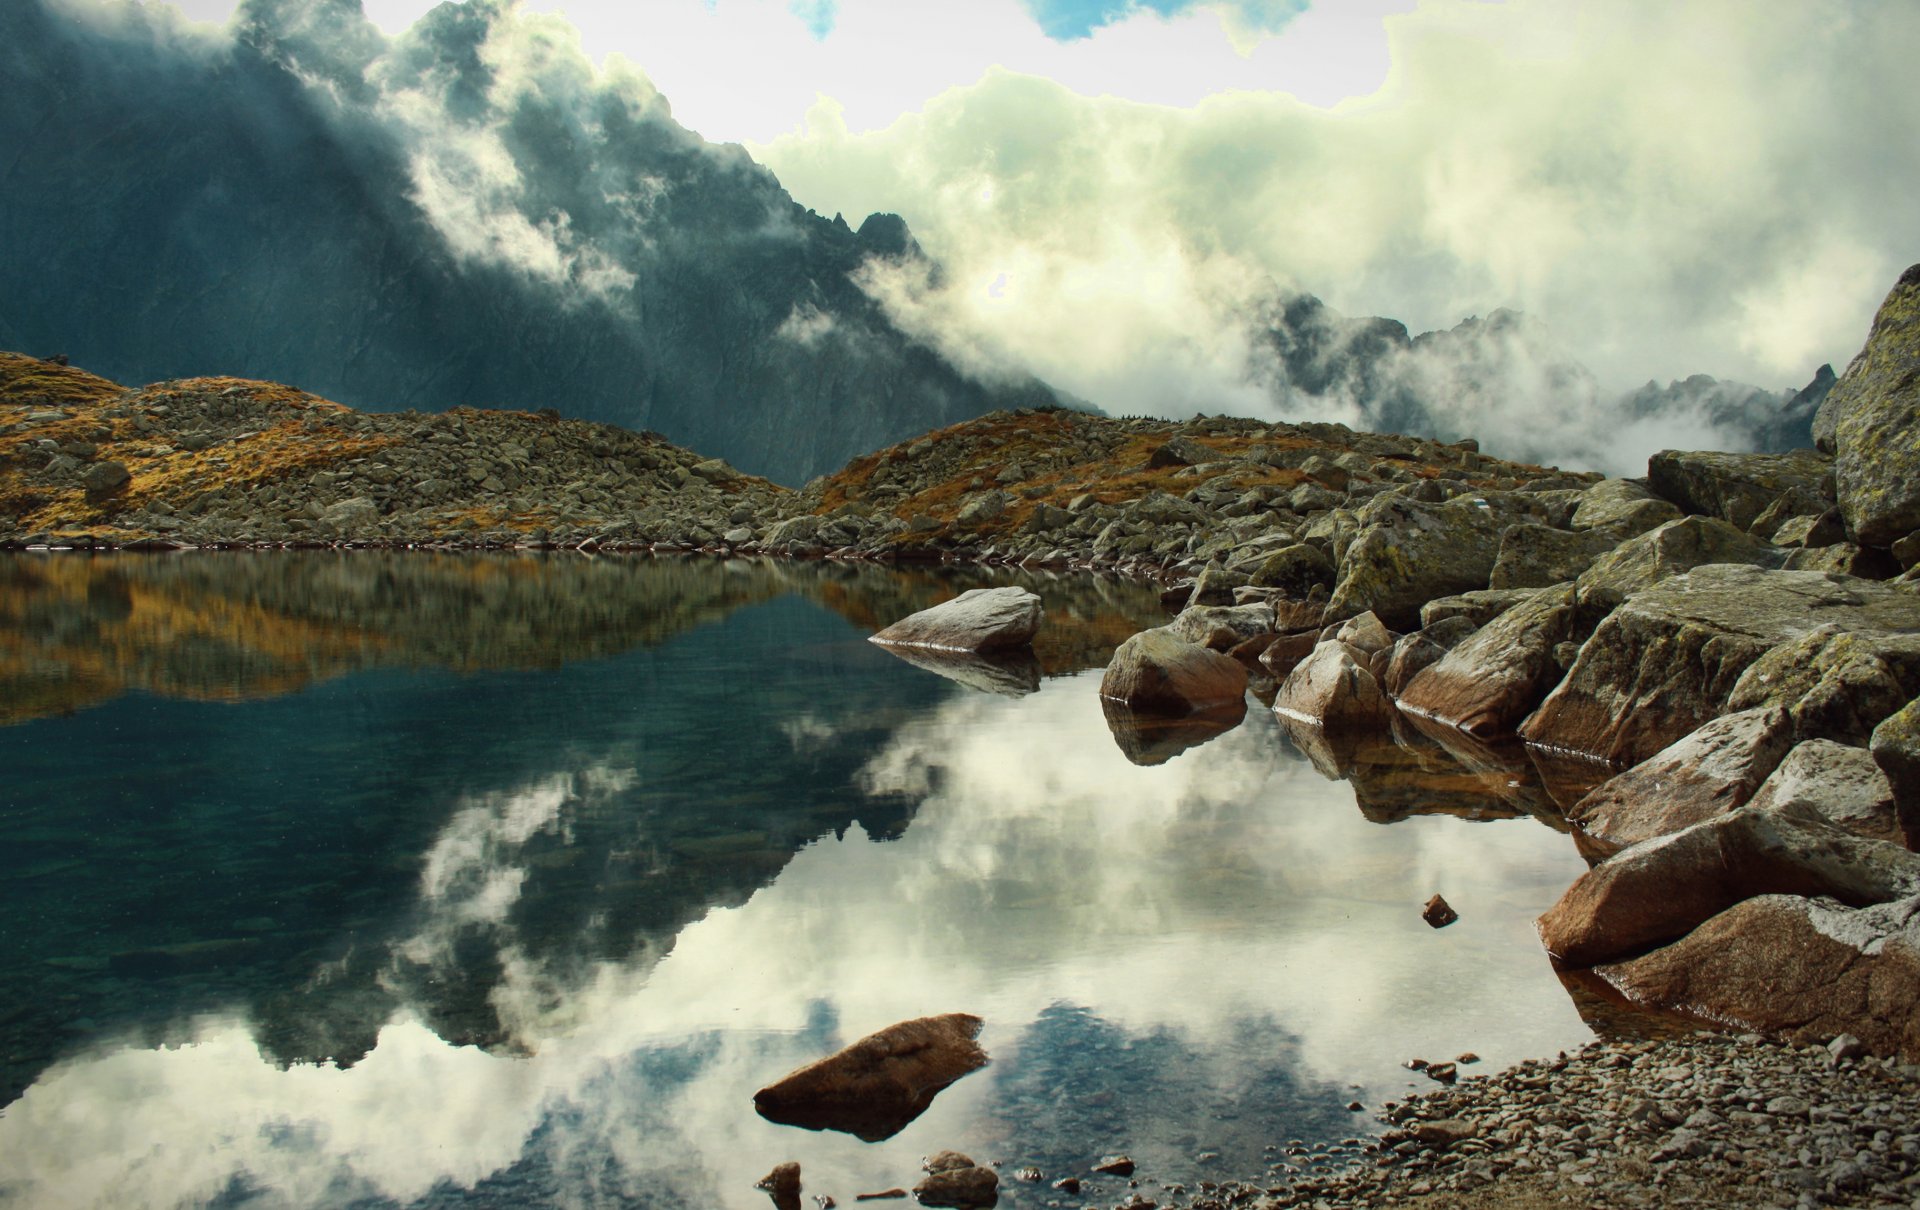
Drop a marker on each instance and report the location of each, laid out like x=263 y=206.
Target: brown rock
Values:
x=1222 y=627
x=1709 y=772
x=1794 y=967
x=981 y=619
x=1286 y=651
x=1662 y=889
x=1493 y=679
x=960 y=1187
x=1115 y=1165
x=1438 y=913
x=1839 y=782
x=1413 y=653
x=782 y=1185
x=1157 y=672
x=1834 y=684
x=876 y=1086
x=1333 y=690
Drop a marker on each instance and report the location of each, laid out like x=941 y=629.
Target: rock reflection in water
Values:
x=1155 y=739
x=1008 y=673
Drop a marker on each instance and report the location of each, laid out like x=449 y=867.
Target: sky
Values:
x=1669 y=187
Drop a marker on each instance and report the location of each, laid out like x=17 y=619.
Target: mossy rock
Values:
x=1874 y=414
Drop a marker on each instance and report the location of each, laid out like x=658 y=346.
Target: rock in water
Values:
x=874 y=1087
x=1333 y=690
x=981 y=619
x=1489 y=682
x=966 y=1186
x=1874 y=416
x=1438 y=913
x=1157 y=672
x=782 y=1185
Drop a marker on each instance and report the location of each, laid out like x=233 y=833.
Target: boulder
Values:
x=1422 y=649
x=1845 y=558
x=1406 y=553
x=1667 y=660
x=350 y=515
x=980 y=619
x=1332 y=689
x=1666 y=551
x=1621 y=509
x=1834 y=684
x=782 y=1185
x=1811 y=530
x=102 y=479
x=959 y=1187
x=1295 y=570
x=1285 y=652
x=1222 y=627
x=1158 y=672
x=1478 y=608
x=985 y=507
x=1492 y=680
x=1180 y=451
x=1364 y=634
x=1837 y=781
x=1537 y=556
x=1662 y=889
x=1896 y=749
x=1714 y=770
x=1739 y=488
x=875 y=1087
x=1875 y=413
x=1215 y=585
x=1805 y=970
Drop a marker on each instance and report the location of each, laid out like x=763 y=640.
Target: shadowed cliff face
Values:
x=467 y=214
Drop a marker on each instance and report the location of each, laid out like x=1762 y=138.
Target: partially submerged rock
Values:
x=1159 y=672
x=1662 y=889
x=954 y=1180
x=1712 y=770
x=782 y=1185
x=874 y=1087
x=1333 y=689
x=1493 y=679
x=980 y=619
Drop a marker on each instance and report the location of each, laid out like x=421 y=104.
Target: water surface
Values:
x=390 y=880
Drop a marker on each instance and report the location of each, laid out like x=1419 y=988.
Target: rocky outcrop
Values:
x=1492 y=680
x=1662 y=889
x=1839 y=782
x=1835 y=684
x=1668 y=659
x=1668 y=550
x=1407 y=553
x=1806 y=970
x=1223 y=627
x=979 y=620
x=875 y=1087
x=1874 y=412
x=1740 y=489
x=1709 y=772
x=1157 y=672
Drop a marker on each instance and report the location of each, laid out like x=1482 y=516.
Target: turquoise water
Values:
x=376 y=880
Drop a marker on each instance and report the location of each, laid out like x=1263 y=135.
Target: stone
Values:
x=1115 y=1165
x=1284 y=654
x=1222 y=627
x=1296 y=570
x=980 y=619
x=875 y=1087
x=1158 y=672
x=1365 y=634
x=1812 y=530
x=1478 y=607
x=1494 y=678
x=1713 y=770
x=1406 y=553
x=985 y=507
x=350 y=515
x=1442 y=1133
x=1667 y=660
x=782 y=1185
x=1215 y=585
x=1420 y=650
x=1622 y=508
x=1802 y=969
x=102 y=479
x=1844 y=558
x=1333 y=690
x=959 y=1187
x=1537 y=556
x=946 y=1161
x=1664 y=552
x=1875 y=413
x=1663 y=889
x=1896 y=749
x=1837 y=781
x=1835 y=685
x=1438 y=913
x=1738 y=488
x=1180 y=451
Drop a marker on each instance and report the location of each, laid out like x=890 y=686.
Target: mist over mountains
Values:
x=466 y=214
x=473 y=213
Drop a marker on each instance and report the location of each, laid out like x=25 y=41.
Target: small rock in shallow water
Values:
x=782 y=1185
x=1438 y=913
x=1115 y=1165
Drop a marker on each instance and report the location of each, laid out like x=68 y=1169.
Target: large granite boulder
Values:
x=1874 y=411
x=1837 y=781
x=1158 y=672
x=1660 y=890
x=1621 y=509
x=1490 y=681
x=1668 y=550
x=1478 y=607
x=1806 y=970
x=1709 y=772
x=1739 y=488
x=1537 y=556
x=1222 y=627
x=1836 y=685
x=1668 y=659
x=1896 y=749
x=875 y=1087
x=1333 y=689
x=1425 y=647
x=1295 y=570
x=980 y=619
x=1406 y=553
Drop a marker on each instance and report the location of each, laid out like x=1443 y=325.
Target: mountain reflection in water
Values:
x=477 y=918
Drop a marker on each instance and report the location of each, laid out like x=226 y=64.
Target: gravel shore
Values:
x=1708 y=1120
